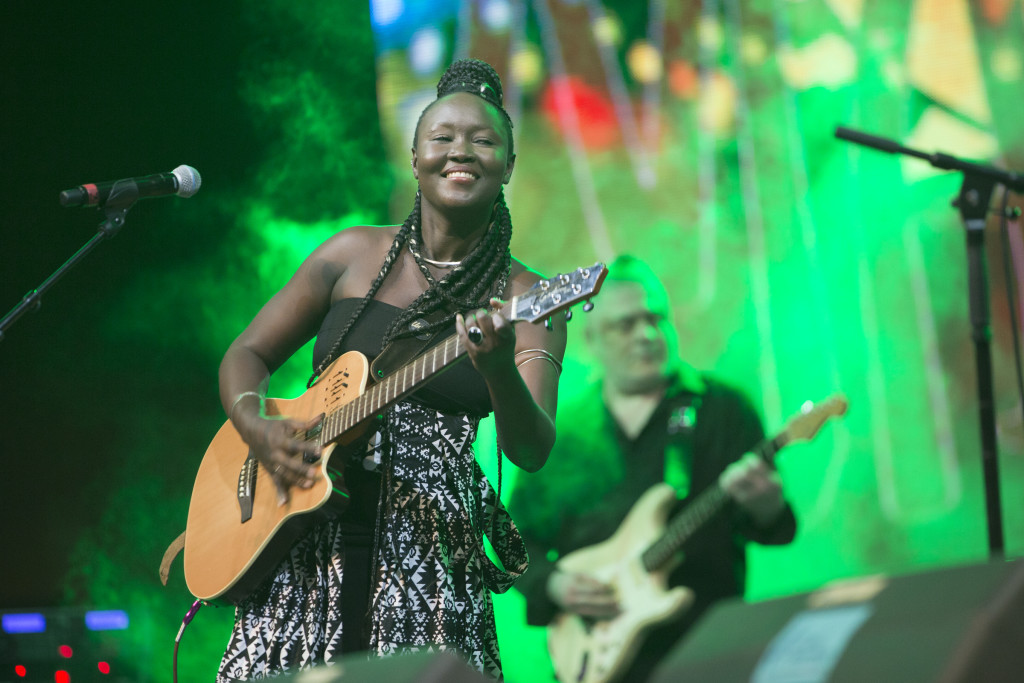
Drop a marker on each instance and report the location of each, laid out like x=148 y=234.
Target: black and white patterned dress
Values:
x=430 y=577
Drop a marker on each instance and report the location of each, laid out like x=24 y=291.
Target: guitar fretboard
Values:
x=701 y=509
x=395 y=386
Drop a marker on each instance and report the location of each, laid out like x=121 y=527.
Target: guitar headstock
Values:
x=813 y=416
x=557 y=293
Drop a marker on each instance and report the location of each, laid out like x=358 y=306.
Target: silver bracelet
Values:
x=546 y=355
x=242 y=395
x=554 y=363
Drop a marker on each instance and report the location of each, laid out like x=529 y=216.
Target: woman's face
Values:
x=461 y=155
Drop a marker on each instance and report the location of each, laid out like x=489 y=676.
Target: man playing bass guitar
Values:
x=651 y=419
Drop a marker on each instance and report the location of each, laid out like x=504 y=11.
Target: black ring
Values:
x=475 y=334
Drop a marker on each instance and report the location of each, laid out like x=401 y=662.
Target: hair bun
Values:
x=473 y=76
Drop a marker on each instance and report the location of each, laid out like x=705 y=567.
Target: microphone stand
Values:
x=973 y=201
x=123 y=196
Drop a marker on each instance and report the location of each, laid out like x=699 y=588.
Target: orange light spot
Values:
x=683 y=80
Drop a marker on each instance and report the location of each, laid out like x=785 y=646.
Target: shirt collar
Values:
x=686 y=379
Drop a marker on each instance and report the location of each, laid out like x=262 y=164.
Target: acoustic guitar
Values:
x=637 y=560
x=236 y=531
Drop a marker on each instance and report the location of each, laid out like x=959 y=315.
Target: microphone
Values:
x=1013 y=181
x=183 y=181
x=881 y=144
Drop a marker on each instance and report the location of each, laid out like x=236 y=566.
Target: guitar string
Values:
x=364 y=405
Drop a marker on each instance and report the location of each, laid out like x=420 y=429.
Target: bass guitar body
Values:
x=598 y=651
x=236 y=531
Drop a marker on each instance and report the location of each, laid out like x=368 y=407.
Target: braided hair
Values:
x=484 y=272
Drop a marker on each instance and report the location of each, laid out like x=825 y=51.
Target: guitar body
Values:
x=226 y=557
x=237 y=533
x=598 y=651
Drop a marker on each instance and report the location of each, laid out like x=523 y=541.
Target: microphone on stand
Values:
x=183 y=181
x=1014 y=181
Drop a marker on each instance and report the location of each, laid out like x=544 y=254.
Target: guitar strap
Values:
x=400 y=351
x=682 y=420
x=172 y=551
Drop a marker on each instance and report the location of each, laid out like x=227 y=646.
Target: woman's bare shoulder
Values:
x=345 y=252
x=360 y=238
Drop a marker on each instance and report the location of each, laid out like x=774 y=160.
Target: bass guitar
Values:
x=236 y=531
x=637 y=560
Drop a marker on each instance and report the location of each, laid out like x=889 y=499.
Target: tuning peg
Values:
x=568 y=315
x=589 y=306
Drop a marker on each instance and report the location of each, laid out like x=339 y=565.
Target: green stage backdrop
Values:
x=696 y=135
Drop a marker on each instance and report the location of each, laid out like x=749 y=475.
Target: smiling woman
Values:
x=402 y=568
x=462 y=153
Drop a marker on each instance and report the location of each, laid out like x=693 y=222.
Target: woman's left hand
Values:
x=489 y=338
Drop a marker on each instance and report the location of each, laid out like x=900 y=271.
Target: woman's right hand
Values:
x=278 y=445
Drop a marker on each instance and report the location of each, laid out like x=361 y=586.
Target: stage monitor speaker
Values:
x=421 y=667
x=955 y=625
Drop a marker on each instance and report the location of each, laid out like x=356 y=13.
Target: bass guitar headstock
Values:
x=813 y=416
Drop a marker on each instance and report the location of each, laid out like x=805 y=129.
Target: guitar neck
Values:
x=542 y=300
x=394 y=387
x=701 y=510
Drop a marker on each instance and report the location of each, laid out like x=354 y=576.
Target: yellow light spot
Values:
x=753 y=49
x=828 y=62
x=717 y=104
x=1006 y=64
x=644 y=62
x=709 y=34
x=526 y=67
x=607 y=31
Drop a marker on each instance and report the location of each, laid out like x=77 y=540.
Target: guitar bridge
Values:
x=246 y=486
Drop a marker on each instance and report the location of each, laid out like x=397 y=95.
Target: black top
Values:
x=458 y=390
